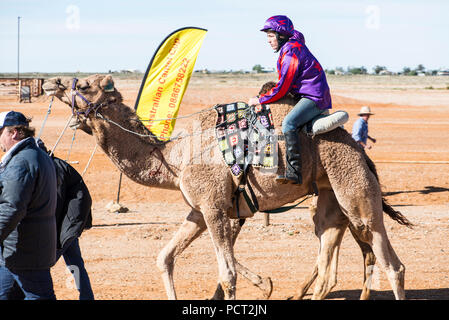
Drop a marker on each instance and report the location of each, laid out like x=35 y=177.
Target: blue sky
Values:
x=102 y=35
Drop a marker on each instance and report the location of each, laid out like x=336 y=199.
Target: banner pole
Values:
x=119 y=186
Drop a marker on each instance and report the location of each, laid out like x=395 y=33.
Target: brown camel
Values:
x=349 y=190
x=330 y=216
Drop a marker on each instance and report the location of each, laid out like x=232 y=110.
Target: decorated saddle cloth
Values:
x=246 y=136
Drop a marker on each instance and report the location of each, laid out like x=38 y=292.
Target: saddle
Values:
x=246 y=137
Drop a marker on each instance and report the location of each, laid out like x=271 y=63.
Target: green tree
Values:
x=420 y=67
x=378 y=69
x=357 y=70
x=406 y=70
x=257 y=68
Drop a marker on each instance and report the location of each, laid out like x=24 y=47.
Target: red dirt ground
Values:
x=121 y=249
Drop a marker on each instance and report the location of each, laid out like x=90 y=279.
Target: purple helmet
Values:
x=280 y=24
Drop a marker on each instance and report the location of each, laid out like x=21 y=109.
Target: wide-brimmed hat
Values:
x=365 y=110
x=12 y=118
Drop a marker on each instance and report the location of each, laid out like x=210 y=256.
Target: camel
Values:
x=349 y=190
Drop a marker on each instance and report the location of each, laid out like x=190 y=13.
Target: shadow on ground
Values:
x=418 y=294
x=426 y=190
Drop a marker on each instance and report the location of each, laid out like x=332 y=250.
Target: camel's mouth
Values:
x=50 y=92
x=49 y=89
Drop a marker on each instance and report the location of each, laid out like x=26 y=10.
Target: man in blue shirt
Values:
x=360 y=128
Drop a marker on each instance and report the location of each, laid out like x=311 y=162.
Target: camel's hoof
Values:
x=219 y=294
x=365 y=294
x=267 y=287
x=299 y=294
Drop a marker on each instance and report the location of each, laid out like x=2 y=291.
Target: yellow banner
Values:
x=166 y=80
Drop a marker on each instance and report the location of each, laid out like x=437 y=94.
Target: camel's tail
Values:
x=394 y=214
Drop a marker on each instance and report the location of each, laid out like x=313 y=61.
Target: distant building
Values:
x=267 y=70
x=22 y=89
x=443 y=73
x=385 y=73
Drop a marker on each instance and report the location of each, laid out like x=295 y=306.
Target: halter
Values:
x=92 y=106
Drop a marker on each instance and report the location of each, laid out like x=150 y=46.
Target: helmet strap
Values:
x=281 y=40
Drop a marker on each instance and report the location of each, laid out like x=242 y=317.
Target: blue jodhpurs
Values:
x=304 y=111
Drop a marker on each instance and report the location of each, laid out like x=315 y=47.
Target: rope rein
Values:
x=46 y=117
x=179 y=136
x=179 y=117
x=60 y=136
x=94 y=107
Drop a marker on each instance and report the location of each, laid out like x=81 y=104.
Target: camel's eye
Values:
x=60 y=85
x=84 y=86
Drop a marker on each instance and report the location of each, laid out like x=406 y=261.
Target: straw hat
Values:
x=365 y=110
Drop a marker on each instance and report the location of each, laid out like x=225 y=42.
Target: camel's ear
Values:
x=107 y=84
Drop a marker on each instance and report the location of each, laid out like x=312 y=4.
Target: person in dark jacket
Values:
x=73 y=215
x=27 y=212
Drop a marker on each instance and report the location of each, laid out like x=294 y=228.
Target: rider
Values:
x=301 y=74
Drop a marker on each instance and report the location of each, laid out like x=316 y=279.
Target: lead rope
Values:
x=60 y=136
x=90 y=159
x=46 y=117
x=71 y=145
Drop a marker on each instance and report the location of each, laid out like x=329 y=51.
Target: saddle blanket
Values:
x=246 y=136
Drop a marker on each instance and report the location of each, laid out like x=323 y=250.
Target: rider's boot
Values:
x=293 y=159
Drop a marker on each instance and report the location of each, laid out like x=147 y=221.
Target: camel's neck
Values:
x=142 y=159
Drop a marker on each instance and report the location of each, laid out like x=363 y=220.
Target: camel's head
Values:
x=95 y=89
x=267 y=87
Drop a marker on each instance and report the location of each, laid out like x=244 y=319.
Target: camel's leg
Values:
x=330 y=226
x=307 y=283
x=304 y=287
x=264 y=284
x=376 y=235
x=219 y=228
x=368 y=263
x=369 y=260
x=365 y=213
x=388 y=259
x=190 y=229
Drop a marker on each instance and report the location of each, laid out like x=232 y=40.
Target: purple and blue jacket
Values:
x=301 y=74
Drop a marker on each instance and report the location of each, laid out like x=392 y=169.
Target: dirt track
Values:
x=410 y=124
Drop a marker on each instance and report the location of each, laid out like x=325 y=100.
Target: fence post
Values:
x=20 y=90
x=266 y=219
